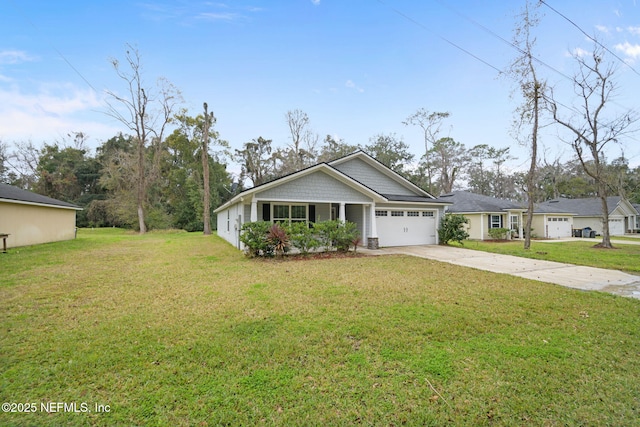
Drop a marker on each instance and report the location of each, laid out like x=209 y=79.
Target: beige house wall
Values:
x=475 y=227
x=33 y=224
x=539 y=226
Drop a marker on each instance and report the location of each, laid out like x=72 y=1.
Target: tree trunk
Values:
x=206 y=215
x=141 y=192
x=606 y=238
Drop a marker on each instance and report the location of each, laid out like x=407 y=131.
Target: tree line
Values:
x=147 y=177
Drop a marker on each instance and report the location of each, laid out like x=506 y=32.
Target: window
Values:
x=289 y=213
x=381 y=213
x=425 y=213
x=513 y=222
x=413 y=213
x=495 y=221
x=397 y=213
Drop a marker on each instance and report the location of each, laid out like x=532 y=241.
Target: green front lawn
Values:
x=181 y=329
x=623 y=257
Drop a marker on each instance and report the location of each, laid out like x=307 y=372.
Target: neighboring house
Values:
x=551 y=222
x=485 y=213
x=637 y=208
x=30 y=218
x=623 y=216
x=388 y=209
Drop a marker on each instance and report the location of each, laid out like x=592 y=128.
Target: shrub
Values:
x=337 y=234
x=302 y=237
x=452 y=228
x=498 y=233
x=264 y=238
x=278 y=237
x=254 y=235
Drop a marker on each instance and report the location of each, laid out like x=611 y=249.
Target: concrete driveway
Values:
x=573 y=276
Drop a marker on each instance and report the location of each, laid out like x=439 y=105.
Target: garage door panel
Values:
x=616 y=227
x=558 y=227
x=407 y=230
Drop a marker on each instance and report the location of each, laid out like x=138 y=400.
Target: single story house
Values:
x=31 y=218
x=637 y=208
x=485 y=213
x=623 y=216
x=388 y=209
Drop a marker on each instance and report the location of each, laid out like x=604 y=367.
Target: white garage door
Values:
x=558 y=227
x=616 y=227
x=405 y=227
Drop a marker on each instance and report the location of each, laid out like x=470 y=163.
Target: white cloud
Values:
x=602 y=29
x=351 y=85
x=579 y=52
x=634 y=30
x=315 y=2
x=14 y=57
x=54 y=111
x=220 y=16
x=632 y=50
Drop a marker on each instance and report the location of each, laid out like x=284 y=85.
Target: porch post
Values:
x=520 y=225
x=341 y=214
x=372 y=240
x=254 y=210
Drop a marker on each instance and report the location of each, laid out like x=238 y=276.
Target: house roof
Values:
x=545 y=209
x=465 y=202
x=372 y=161
x=583 y=207
x=421 y=195
x=11 y=194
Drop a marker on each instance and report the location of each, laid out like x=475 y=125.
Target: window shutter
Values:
x=266 y=212
x=312 y=213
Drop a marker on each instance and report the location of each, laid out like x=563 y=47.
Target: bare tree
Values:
x=208 y=120
x=430 y=124
x=532 y=90
x=147 y=125
x=590 y=129
x=303 y=140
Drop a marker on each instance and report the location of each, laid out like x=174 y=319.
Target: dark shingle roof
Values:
x=403 y=198
x=582 y=207
x=9 y=192
x=466 y=202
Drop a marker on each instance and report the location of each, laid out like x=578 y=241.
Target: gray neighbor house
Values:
x=388 y=209
x=623 y=216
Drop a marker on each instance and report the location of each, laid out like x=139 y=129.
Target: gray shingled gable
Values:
x=9 y=192
x=466 y=202
x=582 y=207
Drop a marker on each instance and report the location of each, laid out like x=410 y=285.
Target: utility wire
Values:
x=408 y=18
x=499 y=37
x=64 y=58
x=589 y=37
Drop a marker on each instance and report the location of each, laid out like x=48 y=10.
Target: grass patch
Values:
x=623 y=257
x=182 y=329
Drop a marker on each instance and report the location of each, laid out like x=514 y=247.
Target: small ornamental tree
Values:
x=452 y=229
x=278 y=238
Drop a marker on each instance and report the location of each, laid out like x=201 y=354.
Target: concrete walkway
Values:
x=573 y=276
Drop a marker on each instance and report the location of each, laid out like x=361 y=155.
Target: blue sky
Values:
x=357 y=68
